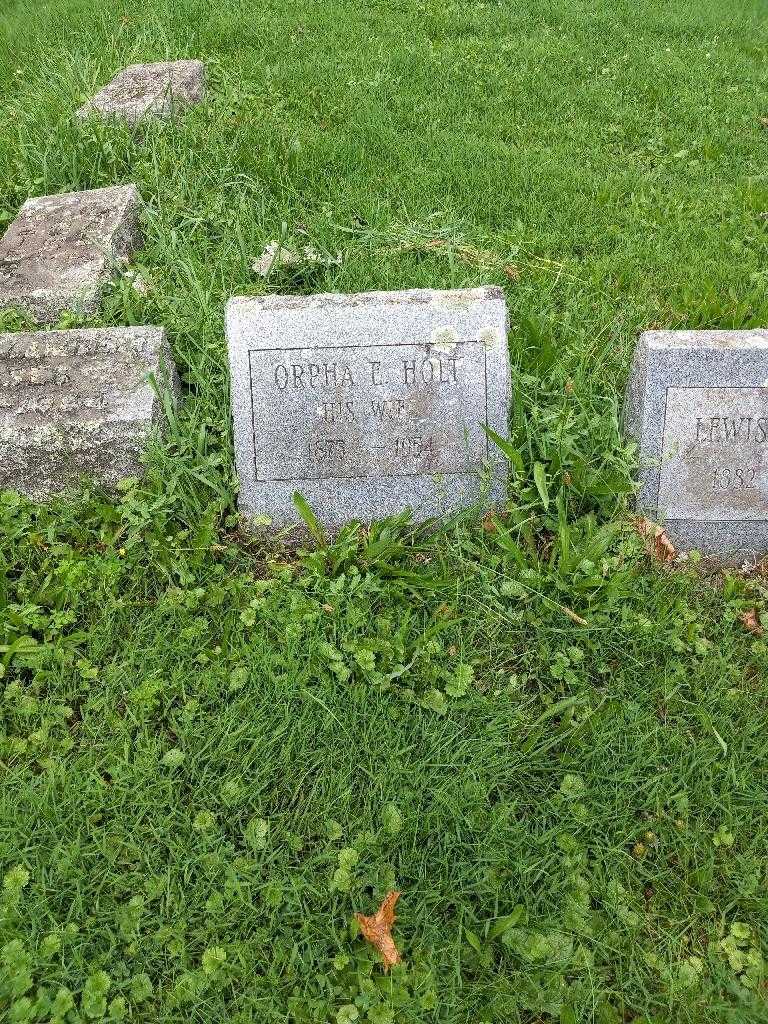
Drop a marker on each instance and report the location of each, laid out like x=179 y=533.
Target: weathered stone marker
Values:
x=78 y=403
x=149 y=90
x=61 y=250
x=697 y=403
x=367 y=404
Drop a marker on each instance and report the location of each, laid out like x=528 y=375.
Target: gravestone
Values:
x=79 y=403
x=697 y=404
x=60 y=251
x=368 y=404
x=149 y=90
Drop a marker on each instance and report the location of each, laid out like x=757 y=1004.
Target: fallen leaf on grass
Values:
x=377 y=929
x=489 y=523
x=657 y=543
x=751 y=621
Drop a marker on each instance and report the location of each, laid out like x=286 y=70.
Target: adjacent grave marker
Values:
x=697 y=403
x=61 y=250
x=367 y=404
x=78 y=403
x=149 y=90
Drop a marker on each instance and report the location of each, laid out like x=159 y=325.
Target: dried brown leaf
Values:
x=489 y=522
x=657 y=543
x=751 y=621
x=377 y=929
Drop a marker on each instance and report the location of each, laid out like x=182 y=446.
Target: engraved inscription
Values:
x=715 y=455
x=369 y=411
x=733 y=476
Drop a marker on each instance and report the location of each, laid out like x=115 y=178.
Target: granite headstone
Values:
x=61 y=250
x=368 y=404
x=697 y=404
x=149 y=90
x=79 y=403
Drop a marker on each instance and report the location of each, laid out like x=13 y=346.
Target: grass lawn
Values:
x=213 y=753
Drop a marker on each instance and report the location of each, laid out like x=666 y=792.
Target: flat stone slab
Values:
x=697 y=404
x=78 y=404
x=149 y=90
x=368 y=404
x=60 y=251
